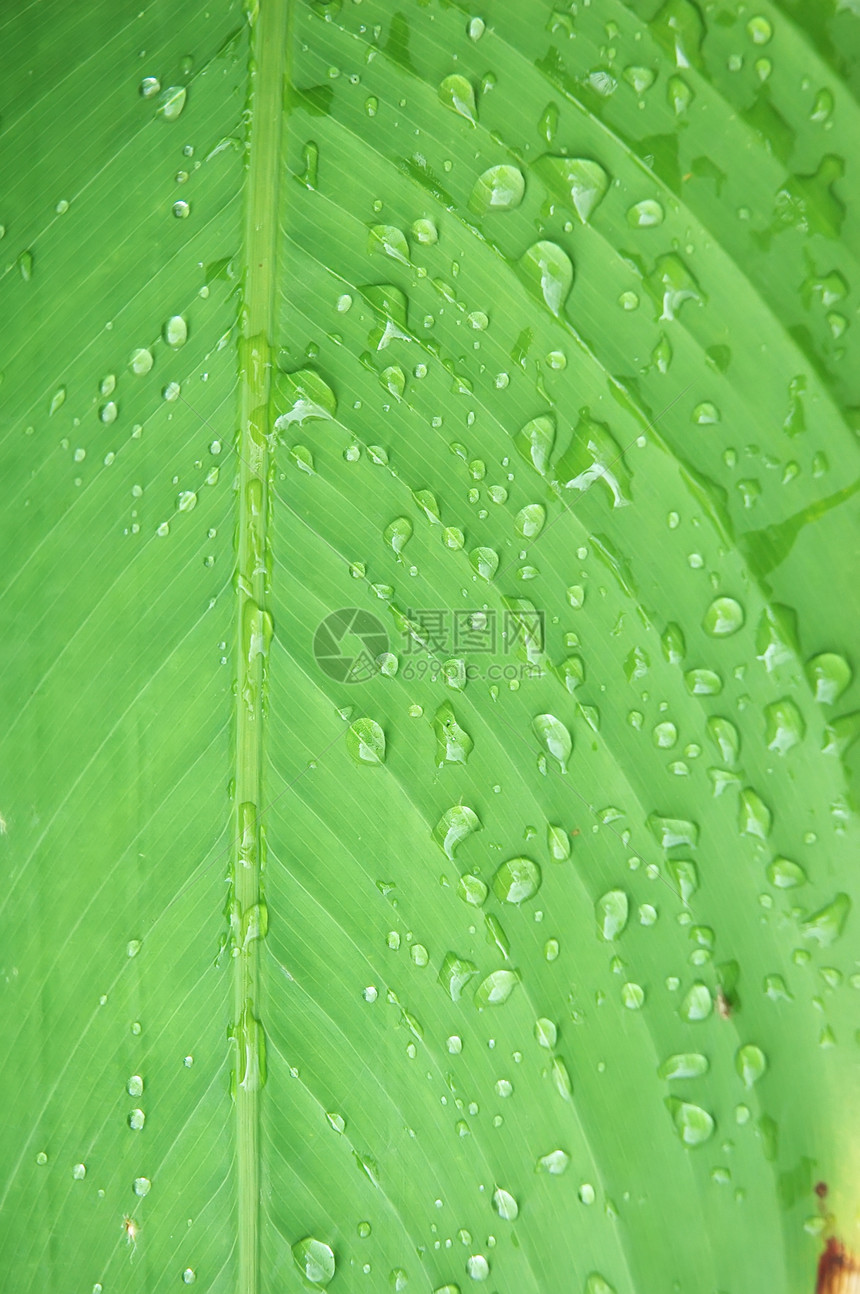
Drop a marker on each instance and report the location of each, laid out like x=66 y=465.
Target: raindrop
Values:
x=612 y=911
x=645 y=214
x=171 y=102
x=315 y=1260
x=505 y=1205
x=456 y=93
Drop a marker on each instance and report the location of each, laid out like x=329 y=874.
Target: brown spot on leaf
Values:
x=821 y=1190
x=838 y=1270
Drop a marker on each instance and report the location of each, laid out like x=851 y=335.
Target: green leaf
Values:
x=430 y=713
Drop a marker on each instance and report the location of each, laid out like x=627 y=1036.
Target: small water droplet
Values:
x=142 y=1186
x=171 y=102
x=505 y=1204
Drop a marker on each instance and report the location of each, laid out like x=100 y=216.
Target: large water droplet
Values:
x=826 y=925
x=496 y=988
x=645 y=214
x=171 y=102
x=829 y=675
x=612 y=911
x=517 y=880
x=535 y=441
x=670 y=832
x=398 y=533
x=783 y=874
x=485 y=562
x=455 y=973
x=785 y=726
x=694 y=1125
x=554 y=737
x=750 y=1062
x=500 y=188
x=306 y=396
x=577 y=180
x=388 y=240
x=594 y=455
x=505 y=1204
x=688 y=1064
x=365 y=741
x=453 y=743
x=455 y=825
x=548 y=271
x=723 y=617
x=315 y=1260
x=697 y=1003
x=457 y=94
x=530 y=520
x=754 y=817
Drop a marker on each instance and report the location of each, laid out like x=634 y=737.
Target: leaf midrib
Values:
x=267 y=66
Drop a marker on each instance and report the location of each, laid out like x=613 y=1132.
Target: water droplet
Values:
x=750 y=1062
x=505 y=1205
x=688 y=1064
x=456 y=93
x=175 y=333
x=57 y=400
x=754 y=817
x=476 y=28
x=455 y=825
x=136 y=1120
x=694 y=1125
x=554 y=737
x=546 y=1033
x=703 y=682
x=500 y=188
x=149 y=86
x=597 y=1284
x=697 y=1003
x=633 y=996
x=496 y=988
x=455 y=973
x=140 y=361
x=723 y=617
x=828 y=675
x=484 y=561
x=578 y=180
x=783 y=874
x=108 y=412
x=535 y=441
x=315 y=1260
x=559 y=843
x=759 y=30
x=595 y=455
x=785 y=726
x=25 y=265
x=665 y=734
x=548 y=271
x=669 y=832
x=398 y=533
x=612 y=911
x=365 y=741
x=189 y=1276
x=826 y=925
x=517 y=880
x=181 y=209
x=530 y=520
x=142 y=1186
x=453 y=743
x=478 y=1267
x=171 y=102
x=134 y=1086
x=645 y=214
